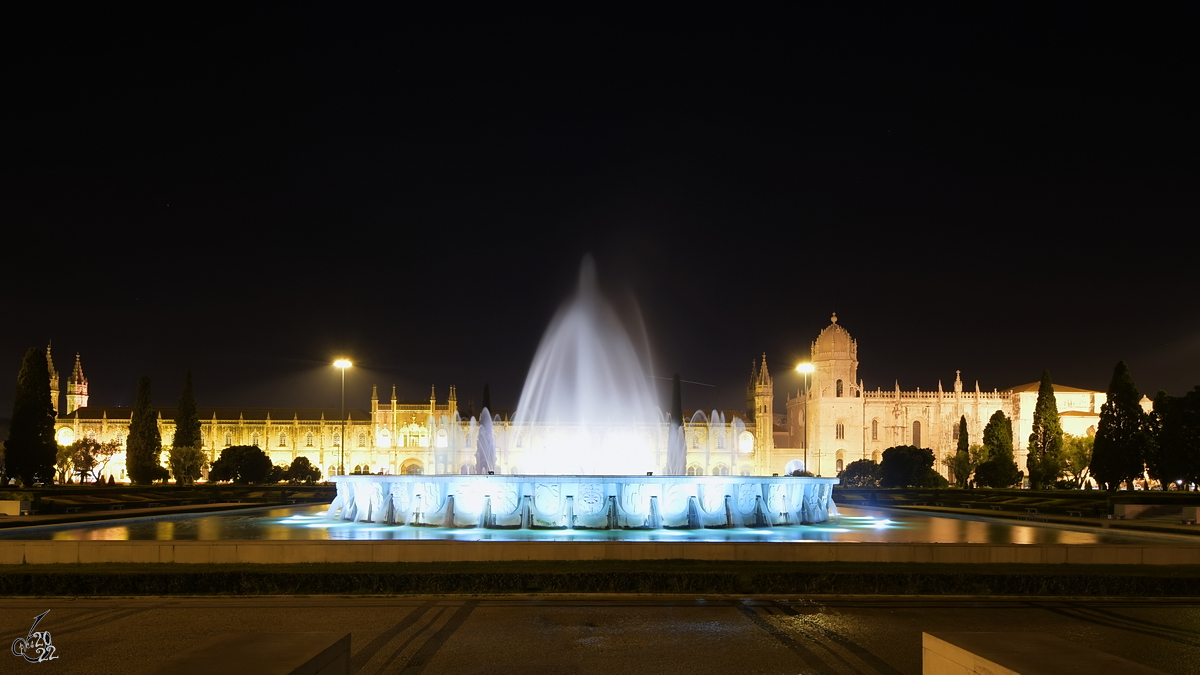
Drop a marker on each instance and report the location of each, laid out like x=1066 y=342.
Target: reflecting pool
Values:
x=309 y=523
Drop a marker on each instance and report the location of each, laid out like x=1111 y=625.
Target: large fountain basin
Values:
x=584 y=502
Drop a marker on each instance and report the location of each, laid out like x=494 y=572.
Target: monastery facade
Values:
x=397 y=437
x=835 y=421
x=838 y=420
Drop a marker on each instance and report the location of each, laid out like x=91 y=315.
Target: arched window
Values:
x=841 y=431
x=336 y=438
x=916 y=440
x=695 y=470
x=745 y=471
x=720 y=440
x=746 y=442
x=65 y=436
x=362 y=439
x=254 y=439
x=332 y=470
x=874 y=430
x=412 y=468
x=283 y=439
x=308 y=439
x=695 y=441
x=720 y=470
x=228 y=439
x=839 y=466
x=383 y=439
x=954 y=433
x=441 y=438
x=839 y=388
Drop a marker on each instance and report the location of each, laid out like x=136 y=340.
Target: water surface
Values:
x=309 y=523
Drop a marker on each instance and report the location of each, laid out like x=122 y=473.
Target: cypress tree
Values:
x=31 y=451
x=961 y=464
x=187 y=417
x=1000 y=469
x=145 y=443
x=1123 y=435
x=1045 y=459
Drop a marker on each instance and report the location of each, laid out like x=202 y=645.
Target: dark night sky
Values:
x=994 y=190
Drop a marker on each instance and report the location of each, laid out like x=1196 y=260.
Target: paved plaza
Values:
x=602 y=634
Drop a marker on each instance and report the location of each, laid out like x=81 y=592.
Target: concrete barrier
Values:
x=262 y=654
x=1017 y=653
x=15 y=552
x=1132 y=511
x=13 y=507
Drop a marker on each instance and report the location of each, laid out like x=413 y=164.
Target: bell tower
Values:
x=77 y=388
x=764 y=408
x=53 y=382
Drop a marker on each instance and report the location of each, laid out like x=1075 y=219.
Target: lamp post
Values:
x=805 y=368
x=343 y=364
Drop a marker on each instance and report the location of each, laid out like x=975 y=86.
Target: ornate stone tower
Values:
x=53 y=381
x=77 y=388
x=835 y=405
x=764 y=408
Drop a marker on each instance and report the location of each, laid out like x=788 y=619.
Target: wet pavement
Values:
x=607 y=634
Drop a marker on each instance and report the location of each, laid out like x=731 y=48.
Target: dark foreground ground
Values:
x=598 y=633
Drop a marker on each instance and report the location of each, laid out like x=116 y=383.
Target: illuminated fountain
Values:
x=593 y=442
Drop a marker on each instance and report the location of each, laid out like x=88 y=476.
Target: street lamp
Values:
x=805 y=368
x=343 y=364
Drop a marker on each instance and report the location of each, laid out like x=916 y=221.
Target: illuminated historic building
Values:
x=406 y=437
x=839 y=420
x=836 y=421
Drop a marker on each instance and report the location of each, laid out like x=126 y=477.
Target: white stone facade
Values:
x=839 y=421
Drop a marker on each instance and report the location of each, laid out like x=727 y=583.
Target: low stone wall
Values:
x=92 y=552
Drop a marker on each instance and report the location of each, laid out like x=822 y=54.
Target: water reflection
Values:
x=309 y=523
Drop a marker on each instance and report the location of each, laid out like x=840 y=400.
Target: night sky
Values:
x=995 y=190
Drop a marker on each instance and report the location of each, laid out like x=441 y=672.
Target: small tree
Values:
x=908 y=466
x=31 y=451
x=144 y=446
x=187 y=463
x=83 y=456
x=1077 y=457
x=63 y=462
x=104 y=454
x=960 y=462
x=861 y=473
x=277 y=473
x=996 y=466
x=1123 y=435
x=241 y=464
x=302 y=471
x=1045 y=460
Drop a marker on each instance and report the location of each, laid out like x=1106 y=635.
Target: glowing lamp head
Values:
x=804 y=368
x=343 y=363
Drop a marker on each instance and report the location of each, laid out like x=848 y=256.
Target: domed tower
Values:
x=77 y=388
x=835 y=410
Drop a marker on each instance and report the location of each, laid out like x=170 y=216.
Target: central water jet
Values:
x=587 y=406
